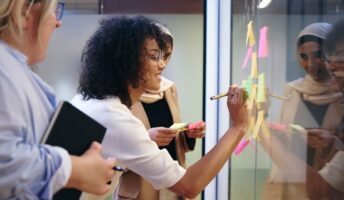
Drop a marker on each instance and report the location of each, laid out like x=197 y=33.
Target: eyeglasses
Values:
x=155 y=55
x=337 y=58
x=59 y=11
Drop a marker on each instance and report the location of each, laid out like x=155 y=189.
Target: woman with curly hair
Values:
x=122 y=60
x=158 y=109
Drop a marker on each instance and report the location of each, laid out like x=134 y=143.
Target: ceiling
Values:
x=291 y=7
x=306 y=7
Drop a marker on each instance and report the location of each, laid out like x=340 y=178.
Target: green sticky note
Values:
x=261 y=96
x=248 y=86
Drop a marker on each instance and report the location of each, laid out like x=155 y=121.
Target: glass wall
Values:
x=292 y=134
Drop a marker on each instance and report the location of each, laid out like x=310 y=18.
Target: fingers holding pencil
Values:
x=236 y=103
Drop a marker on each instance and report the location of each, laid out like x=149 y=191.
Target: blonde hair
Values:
x=12 y=12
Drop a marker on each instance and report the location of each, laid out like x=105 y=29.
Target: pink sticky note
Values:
x=263 y=42
x=195 y=125
x=241 y=146
x=248 y=56
x=277 y=126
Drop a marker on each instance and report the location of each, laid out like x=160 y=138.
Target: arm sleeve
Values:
x=133 y=148
x=28 y=170
x=333 y=172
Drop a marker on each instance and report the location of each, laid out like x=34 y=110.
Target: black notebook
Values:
x=75 y=131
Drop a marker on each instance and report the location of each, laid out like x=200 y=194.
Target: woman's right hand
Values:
x=236 y=103
x=91 y=172
x=162 y=136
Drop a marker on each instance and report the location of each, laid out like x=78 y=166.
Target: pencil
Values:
x=218 y=96
x=278 y=97
x=271 y=94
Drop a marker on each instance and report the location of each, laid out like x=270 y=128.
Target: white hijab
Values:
x=319 y=93
x=319 y=30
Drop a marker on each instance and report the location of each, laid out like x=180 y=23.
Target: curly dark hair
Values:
x=334 y=38
x=111 y=59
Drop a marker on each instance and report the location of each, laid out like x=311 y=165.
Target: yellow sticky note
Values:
x=258 y=124
x=265 y=129
x=248 y=85
x=250 y=38
x=298 y=128
x=178 y=126
x=261 y=95
x=254 y=66
x=252 y=121
x=252 y=97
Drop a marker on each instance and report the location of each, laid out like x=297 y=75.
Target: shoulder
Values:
x=289 y=89
x=172 y=90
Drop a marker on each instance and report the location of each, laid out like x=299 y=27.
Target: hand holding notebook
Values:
x=74 y=131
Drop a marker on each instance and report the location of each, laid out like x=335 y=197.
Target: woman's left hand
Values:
x=319 y=138
x=198 y=132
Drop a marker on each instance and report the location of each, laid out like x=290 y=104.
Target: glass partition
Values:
x=280 y=157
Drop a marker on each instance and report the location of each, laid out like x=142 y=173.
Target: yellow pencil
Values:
x=218 y=96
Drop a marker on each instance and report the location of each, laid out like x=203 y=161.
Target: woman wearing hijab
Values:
x=312 y=102
x=158 y=109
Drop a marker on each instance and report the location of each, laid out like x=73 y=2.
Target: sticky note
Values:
x=248 y=86
x=251 y=124
x=178 y=126
x=263 y=42
x=298 y=128
x=261 y=95
x=277 y=126
x=258 y=124
x=195 y=125
x=247 y=57
x=254 y=65
x=265 y=128
x=241 y=146
x=252 y=97
x=250 y=38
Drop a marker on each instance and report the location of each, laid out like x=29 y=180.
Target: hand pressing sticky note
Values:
x=298 y=128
